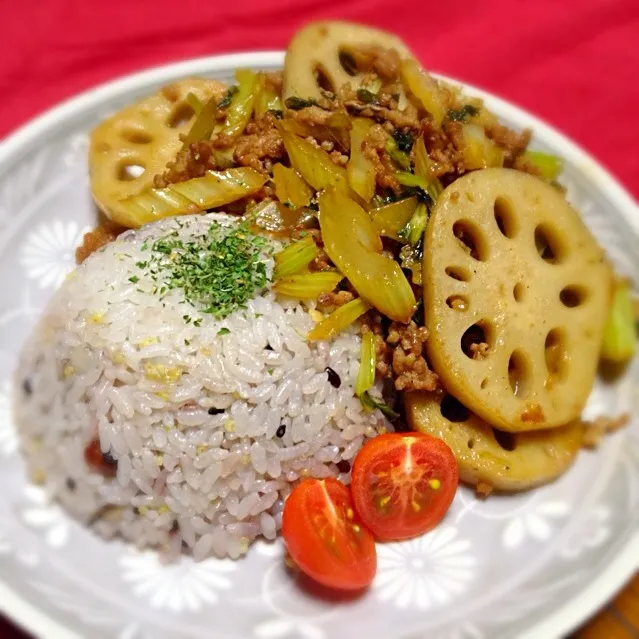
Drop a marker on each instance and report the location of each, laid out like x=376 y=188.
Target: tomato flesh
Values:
x=324 y=536
x=403 y=484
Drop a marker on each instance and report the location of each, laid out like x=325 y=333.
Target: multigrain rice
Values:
x=205 y=461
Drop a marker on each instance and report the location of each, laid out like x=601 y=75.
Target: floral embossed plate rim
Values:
x=530 y=521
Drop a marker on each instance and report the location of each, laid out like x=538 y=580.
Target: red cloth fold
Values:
x=573 y=64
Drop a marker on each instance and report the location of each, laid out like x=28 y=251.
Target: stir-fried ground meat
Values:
x=274 y=81
x=321 y=263
x=409 y=364
x=513 y=143
x=384 y=62
x=400 y=354
x=312 y=115
x=522 y=163
x=400 y=119
x=106 y=232
x=597 y=429
x=191 y=162
x=328 y=302
x=374 y=150
x=260 y=143
x=444 y=147
x=483 y=489
x=341 y=159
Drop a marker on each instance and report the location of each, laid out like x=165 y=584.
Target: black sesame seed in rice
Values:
x=215 y=411
x=71 y=485
x=343 y=466
x=281 y=430
x=334 y=379
x=27 y=387
x=108 y=458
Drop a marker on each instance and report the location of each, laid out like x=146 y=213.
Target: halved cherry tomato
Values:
x=324 y=536
x=403 y=484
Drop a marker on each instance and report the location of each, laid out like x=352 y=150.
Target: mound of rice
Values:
x=209 y=423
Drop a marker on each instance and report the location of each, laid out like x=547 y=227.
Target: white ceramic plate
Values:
x=532 y=565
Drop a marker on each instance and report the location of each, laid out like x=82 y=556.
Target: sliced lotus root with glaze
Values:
x=509 y=462
x=319 y=55
x=134 y=145
x=516 y=295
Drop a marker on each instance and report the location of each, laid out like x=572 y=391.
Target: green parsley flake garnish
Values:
x=134 y=280
x=217 y=272
x=223 y=331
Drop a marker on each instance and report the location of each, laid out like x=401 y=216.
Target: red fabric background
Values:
x=574 y=63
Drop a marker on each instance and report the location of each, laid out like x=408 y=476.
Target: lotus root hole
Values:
x=453 y=410
x=471 y=239
x=549 y=245
x=458 y=302
x=505 y=217
x=137 y=136
x=459 y=273
x=348 y=63
x=555 y=353
x=519 y=373
x=476 y=340
x=519 y=291
x=573 y=296
x=507 y=441
x=181 y=115
x=128 y=171
x=323 y=80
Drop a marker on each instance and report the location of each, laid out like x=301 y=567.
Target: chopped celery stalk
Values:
x=194 y=102
x=399 y=157
x=338 y=320
x=290 y=188
x=335 y=129
x=550 y=166
x=410 y=179
x=295 y=257
x=220 y=187
x=390 y=219
x=360 y=169
x=215 y=188
x=265 y=215
x=373 y=85
x=424 y=88
x=620 y=335
x=424 y=168
x=479 y=151
x=414 y=230
x=203 y=124
x=241 y=108
x=313 y=163
x=223 y=158
x=307 y=286
x=267 y=98
x=354 y=246
x=366 y=373
x=371 y=403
